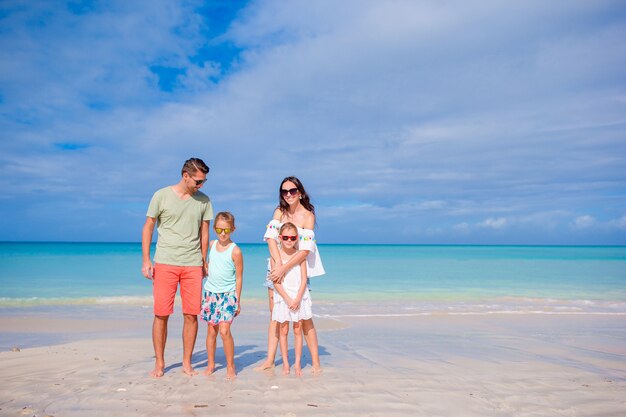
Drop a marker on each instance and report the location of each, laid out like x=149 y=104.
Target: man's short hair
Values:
x=193 y=165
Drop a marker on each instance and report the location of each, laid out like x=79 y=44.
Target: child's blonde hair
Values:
x=227 y=217
x=286 y=226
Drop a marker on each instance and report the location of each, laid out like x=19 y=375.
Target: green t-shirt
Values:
x=178 y=224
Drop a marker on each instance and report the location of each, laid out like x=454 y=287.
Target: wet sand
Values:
x=92 y=361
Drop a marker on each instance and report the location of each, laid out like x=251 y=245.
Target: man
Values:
x=182 y=214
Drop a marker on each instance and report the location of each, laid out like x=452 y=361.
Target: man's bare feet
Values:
x=231 y=373
x=286 y=369
x=209 y=370
x=297 y=369
x=265 y=366
x=157 y=372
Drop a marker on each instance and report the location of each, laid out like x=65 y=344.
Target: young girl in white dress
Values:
x=292 y=301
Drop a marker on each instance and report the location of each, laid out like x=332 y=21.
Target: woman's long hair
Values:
x=305 y=201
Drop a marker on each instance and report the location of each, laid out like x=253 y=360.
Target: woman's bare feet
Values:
x=209 y=370
x=286 y=369
x=265 y=366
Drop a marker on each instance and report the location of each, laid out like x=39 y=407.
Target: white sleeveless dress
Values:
x=291 y=283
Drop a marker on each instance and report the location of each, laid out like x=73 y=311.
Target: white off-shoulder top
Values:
x=306 y=242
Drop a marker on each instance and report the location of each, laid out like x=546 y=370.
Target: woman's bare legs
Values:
x=310 y=335
x=272 y=337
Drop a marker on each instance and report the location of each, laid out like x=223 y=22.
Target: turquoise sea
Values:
x=360 y=279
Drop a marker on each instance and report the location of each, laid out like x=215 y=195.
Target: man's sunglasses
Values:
x=198 y=182
x=292 y=238
x=292 y=191
x=220 y=231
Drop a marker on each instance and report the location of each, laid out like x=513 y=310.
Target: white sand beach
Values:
x=476 y=365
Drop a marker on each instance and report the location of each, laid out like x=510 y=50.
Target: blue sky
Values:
x=473 y=122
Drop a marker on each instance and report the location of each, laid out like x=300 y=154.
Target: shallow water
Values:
x=360 y=279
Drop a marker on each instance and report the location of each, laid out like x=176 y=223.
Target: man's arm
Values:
x=147 y=268
x=204 y=246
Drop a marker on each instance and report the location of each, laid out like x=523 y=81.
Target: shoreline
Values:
x=356 y=305
x=438 y=365
x=41 y=325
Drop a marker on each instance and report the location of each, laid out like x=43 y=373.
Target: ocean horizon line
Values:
x=529 y=245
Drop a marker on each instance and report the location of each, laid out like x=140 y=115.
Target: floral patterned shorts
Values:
x=218 y=307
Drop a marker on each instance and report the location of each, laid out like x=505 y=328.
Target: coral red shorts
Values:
x=165 y=283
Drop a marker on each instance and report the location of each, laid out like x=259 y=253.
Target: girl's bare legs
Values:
x=272 y=337
x=211 y=336
x=297 y=345
x=229 y=349
x=310 y=335
x=284 y=346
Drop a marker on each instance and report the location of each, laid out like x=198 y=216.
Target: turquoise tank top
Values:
x=222 y=276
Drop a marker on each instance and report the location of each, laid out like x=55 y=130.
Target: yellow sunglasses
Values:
x=219 y=231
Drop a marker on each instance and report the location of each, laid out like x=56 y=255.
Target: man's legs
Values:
x=159 y=337
x=190 y=331
x=191 y=296
x=164 y=290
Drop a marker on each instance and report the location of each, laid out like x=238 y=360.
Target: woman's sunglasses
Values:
x=292 y=191
x=219 y=231
x=292 y=238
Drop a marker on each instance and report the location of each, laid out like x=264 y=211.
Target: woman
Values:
x=295 y=207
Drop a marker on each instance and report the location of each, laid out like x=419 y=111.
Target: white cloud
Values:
x=463 y=228
x=495 y=223
x=583 y=222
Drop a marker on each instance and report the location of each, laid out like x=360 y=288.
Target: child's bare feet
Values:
x=317 y=370
x=265 y=366
x=209 y=370
x=286 y=369
x=188 y=370
x=231 y=373
x=297 y=369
